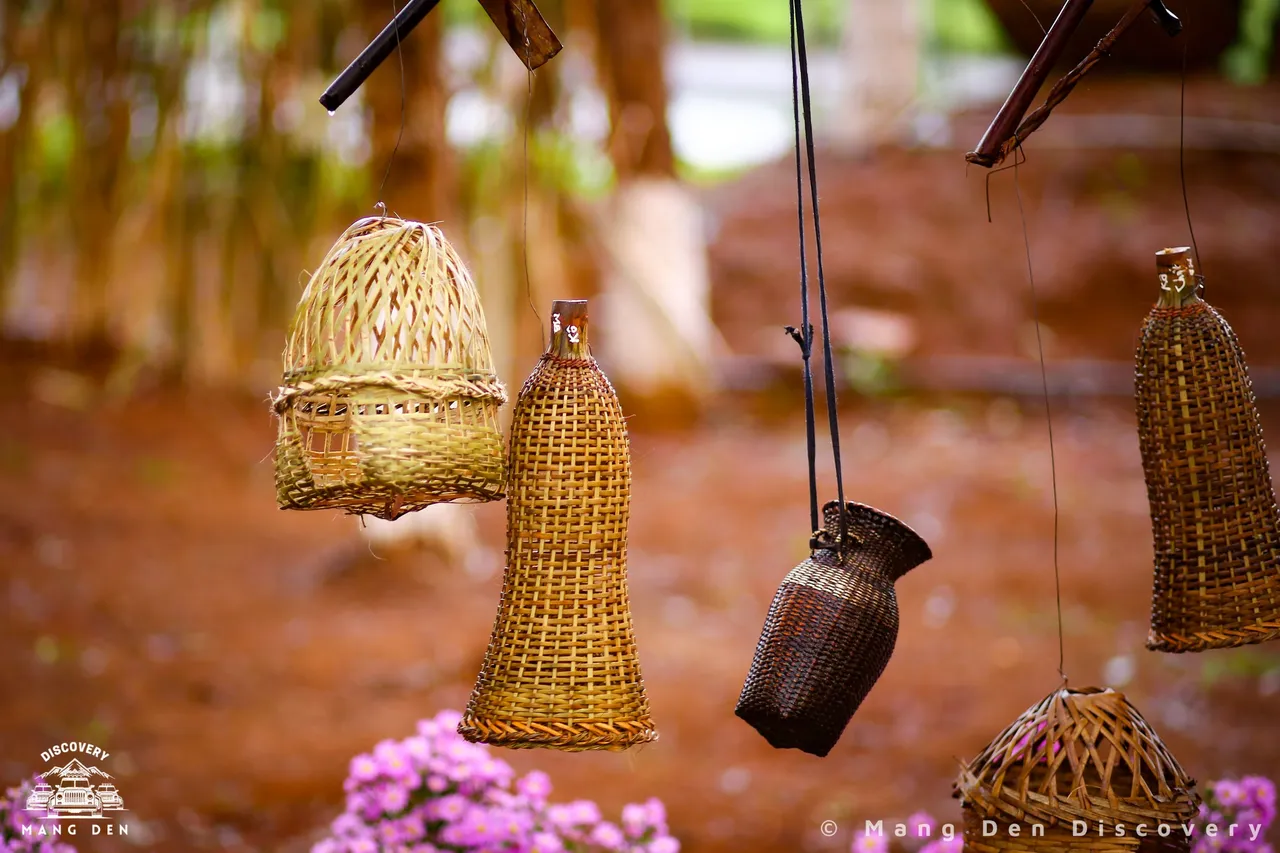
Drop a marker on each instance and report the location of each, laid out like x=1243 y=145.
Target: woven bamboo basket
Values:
x=1077 y=760
x=830 y=631
x=390 y=400
x=1214 y=520
x=561 y=670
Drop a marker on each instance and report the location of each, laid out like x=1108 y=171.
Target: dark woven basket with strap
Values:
x=830 y=631
x=1214 y=520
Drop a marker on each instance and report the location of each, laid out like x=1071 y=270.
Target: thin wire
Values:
x=1027 y=6
x=403 y=109
x=528 y=117
x=1048 y=415
x=1182 y=151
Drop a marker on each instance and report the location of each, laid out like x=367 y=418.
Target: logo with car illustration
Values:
x=75 y=790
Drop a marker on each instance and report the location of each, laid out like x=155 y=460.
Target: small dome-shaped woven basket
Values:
x=390 y=400
x=1079 y=758
x=561 y=670
x=1215 y=524
x=830 y=631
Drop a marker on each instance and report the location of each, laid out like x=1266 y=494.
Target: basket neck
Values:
x=1176 y=274
x=569 y=330
x=897 y=549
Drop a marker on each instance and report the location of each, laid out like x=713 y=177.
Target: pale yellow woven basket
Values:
x=562 y=670
x=1077 y=755
x=390 y=400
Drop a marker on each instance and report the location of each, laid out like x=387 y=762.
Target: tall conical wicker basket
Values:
x=561 y=670
x=389 y=400
x=830 y=631
x=1069 y=771
x=1214 y=519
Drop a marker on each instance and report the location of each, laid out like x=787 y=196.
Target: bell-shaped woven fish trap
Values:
x=830 y=630
x=561 y=670
x=1215 y=524
x=390 y=400
x=1068 y=772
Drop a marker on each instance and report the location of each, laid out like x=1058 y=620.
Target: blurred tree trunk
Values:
x=632 y=41
x=880 y=55
x=17 y=47
x=657 y=336
x=422 y=184
x=97 y=64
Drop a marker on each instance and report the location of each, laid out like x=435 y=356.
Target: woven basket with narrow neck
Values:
x=830 y=631
x=1077 y=755
x=1214 y=520
x=390 y=400
x=562 y=670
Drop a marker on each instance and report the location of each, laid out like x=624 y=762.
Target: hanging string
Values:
x=800 y=67
x=381 y=205
x=1048 y=416
x=1034 y=16
x=1182 y=151
x=528 y=117
x=804 y=338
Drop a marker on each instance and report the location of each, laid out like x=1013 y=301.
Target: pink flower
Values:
x=449 y=721
x=608 y=836
x=635 y=820
x=363 y=768
x=535 y=786
x=921 y=825
x=864 y=843
x=450 y=808
x=545 y=842
x=584 y=812
x=665 y=844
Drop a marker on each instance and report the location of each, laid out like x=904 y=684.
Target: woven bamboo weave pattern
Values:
x=830 y=631
x=389 y=401
x=561 y=670
x=1215 y=524
x=1079 y=755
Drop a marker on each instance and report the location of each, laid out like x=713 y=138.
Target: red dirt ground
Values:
x=161 y=606
x=158 y=604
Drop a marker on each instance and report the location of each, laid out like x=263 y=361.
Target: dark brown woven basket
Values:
x=1214 y=520
x=830 y=631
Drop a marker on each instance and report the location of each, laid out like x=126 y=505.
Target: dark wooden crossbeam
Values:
x=1008 y=130
x=519 y=21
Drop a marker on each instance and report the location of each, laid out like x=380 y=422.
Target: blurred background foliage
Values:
x=166 y=175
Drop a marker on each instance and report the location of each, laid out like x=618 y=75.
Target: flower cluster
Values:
x=1248 y=803
x=13 y=817
x=437 y=793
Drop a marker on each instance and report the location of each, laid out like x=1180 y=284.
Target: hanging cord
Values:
x=830 y=372
x=528 y=117
x=1182 y=156
x=804 y=338
x=381 y=205
x=1048 y=416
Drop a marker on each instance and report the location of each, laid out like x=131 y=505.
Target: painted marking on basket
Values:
x=573 y=334
x=1181 y=273
x=555 y=323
